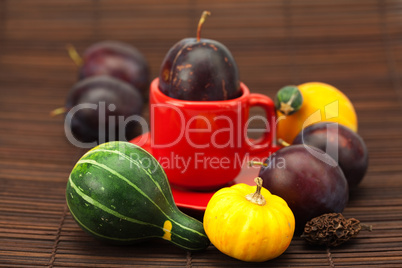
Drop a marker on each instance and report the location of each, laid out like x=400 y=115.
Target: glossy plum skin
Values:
x=310 y=186
x=199 y=71
x=104 y=98
x=119 y=60
x=343 y=144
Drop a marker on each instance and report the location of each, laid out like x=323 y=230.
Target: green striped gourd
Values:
x=118 y=192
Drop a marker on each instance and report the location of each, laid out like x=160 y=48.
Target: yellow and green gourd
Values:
x=118 y=192
x=308 y=103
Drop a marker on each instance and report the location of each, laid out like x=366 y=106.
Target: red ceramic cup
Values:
x=202 y=144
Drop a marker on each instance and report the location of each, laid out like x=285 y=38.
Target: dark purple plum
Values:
x=343 y=144
x=199 y=69
x=116 y=59
x=102 y=99
x=309 y=180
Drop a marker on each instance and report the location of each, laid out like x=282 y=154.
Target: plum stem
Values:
x=257 y=197
x=204 y=16
x=58 y=111
x=256 y=163
x=283 y=143
x=365 y=227
x=72 y=52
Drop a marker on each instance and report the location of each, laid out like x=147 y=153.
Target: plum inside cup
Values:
x=199 y=69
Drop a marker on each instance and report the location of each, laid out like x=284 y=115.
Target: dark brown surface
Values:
x=353 y=45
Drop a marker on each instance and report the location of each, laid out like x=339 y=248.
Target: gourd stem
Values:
x=257 y=197
x=72 y=52
x=204 y=16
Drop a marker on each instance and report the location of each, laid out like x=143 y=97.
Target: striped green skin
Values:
x=118 y=192
x=289 y=95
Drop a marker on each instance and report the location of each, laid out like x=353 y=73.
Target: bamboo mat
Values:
x=353 y=45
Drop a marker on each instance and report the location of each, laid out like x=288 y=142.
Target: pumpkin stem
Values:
x=257 y=197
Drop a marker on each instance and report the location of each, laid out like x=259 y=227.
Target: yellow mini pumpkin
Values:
x=249 y=223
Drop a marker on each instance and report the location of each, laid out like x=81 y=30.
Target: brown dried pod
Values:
x=332 y=229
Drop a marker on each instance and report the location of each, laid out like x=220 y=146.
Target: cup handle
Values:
x=268 y=140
